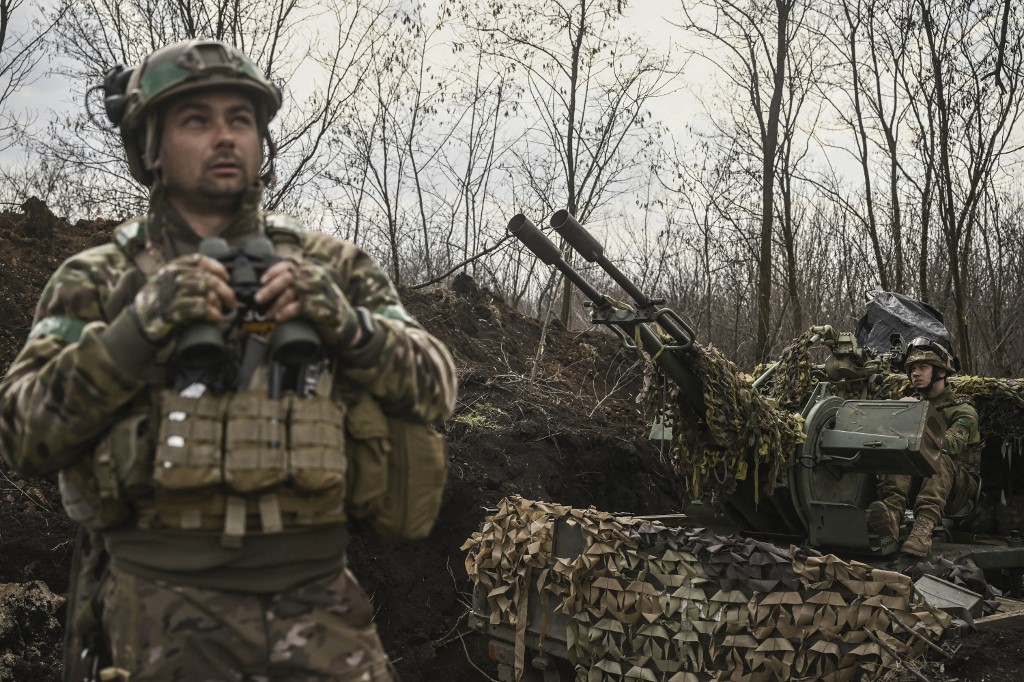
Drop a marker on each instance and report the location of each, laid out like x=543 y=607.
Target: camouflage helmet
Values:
x=935 y=354
x=132 y=97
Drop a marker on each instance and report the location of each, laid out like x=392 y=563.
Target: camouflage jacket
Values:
x=962 y=436
x=85 y=360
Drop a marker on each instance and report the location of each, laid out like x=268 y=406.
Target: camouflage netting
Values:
x=740 y=422
x=648 y=602
x=1000 y=404
x=794 y=376
x=752 y=433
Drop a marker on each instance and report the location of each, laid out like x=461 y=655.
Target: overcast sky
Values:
x=50 y=95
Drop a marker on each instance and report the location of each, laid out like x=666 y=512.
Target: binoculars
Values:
x=201 y=346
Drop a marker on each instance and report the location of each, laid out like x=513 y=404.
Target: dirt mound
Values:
x=32 y=244
x=30 y=632
x=564 y=429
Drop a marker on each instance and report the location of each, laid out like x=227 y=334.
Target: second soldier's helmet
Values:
x=935 y=354
x=132 y=97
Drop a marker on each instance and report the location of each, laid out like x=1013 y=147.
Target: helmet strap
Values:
x=156 y=234
x=151 y=145
x=270 y=177
x=935 y=379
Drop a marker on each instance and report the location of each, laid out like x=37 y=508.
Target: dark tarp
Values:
x=890 y=313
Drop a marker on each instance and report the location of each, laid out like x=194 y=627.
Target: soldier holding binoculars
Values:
x=224 y=395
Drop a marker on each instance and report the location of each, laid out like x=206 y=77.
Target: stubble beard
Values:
x=221 y=194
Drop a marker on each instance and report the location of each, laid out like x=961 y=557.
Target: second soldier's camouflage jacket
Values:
x=962 y=440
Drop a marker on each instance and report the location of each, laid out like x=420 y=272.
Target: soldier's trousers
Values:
x=321 y=631
x=949 y=490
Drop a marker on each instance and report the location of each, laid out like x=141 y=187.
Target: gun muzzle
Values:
x=577 y=236
x=536 y=241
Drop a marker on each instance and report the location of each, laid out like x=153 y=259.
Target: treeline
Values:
x=844 y=145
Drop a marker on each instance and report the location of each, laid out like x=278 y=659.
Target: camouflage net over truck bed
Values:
x=649 y=602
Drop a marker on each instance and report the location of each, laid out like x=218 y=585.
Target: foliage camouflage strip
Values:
x=648 y=602
x=740 y=422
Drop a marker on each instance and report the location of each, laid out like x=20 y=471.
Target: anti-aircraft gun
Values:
x=563 y=593
x=847 y=437
x=559 y=591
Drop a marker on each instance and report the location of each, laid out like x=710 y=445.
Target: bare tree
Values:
x=973 y=124
x=796 y=129
x=21 y=48
x=705 y=222
x=999 y=269
x=484 y=101
x=587 y=85
x=752 y=42
x=870 y=42
x=384 y=151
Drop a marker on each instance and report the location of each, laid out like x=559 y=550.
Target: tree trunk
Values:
x=769 y=147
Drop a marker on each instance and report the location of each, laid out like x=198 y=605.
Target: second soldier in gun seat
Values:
x=953 y=490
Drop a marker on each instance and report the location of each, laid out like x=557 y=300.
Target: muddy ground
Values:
x=574 y=435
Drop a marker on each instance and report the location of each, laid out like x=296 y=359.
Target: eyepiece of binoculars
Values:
x=294 y=343
x=200 y=346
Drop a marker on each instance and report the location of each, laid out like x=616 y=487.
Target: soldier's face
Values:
x=210 y=146
x=921 y=374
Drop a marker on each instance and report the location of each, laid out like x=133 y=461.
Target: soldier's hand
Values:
x=184 y=291
x=278 y=289
x=307 y=290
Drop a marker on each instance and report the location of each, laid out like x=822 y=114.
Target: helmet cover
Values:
x=187 y=66
x=935 y=354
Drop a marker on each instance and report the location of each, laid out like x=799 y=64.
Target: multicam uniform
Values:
x=209 y=582
x=954 y=486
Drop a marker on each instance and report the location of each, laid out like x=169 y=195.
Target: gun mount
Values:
x=847 y=439
x=823 y=453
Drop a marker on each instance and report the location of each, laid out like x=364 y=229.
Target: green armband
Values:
x=965 y=422
x=396 y=312
x=67 y=329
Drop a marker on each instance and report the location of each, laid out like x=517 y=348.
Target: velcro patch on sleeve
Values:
x=67 y=329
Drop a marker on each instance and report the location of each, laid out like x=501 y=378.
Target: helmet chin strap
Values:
x=270 y=177
x=928 y=389
x=151 y=143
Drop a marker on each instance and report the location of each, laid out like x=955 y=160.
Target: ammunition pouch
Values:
x=189 y=443
x=236 y=463
x=82 y=501
x=397 y=473
x=91 y=488
x=255 y=454
x=246 y=462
